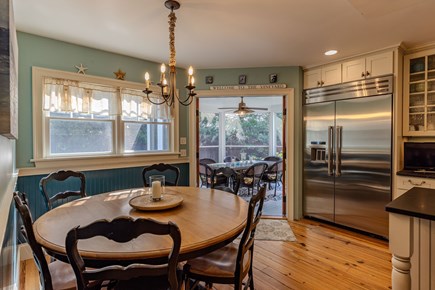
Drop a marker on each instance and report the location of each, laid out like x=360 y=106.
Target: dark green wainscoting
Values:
x=97 y=181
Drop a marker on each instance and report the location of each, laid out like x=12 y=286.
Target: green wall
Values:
x=53 y=54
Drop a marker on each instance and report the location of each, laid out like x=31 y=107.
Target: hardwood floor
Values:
x=323 y=258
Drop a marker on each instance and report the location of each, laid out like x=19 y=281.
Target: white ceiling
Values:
x=233 y=33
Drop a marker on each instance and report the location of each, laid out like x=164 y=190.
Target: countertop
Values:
x=417 y=202
x=417 y=173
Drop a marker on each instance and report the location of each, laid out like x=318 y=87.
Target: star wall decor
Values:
x=81 y=69
x=120 y=75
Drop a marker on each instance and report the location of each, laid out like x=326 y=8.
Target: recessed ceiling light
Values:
x=331 y=52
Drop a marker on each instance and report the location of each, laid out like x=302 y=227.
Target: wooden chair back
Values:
x=232 y=179
x=122 y=230
x=172 y=173
x=57 y=198
x=22 y=206
x=246 y=246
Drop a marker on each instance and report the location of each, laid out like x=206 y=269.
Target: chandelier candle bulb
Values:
x=162 y=70
x=147 y=81
x=190 y=82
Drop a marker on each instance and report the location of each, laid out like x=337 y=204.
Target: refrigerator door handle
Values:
x=339 y=137
x=330 y=138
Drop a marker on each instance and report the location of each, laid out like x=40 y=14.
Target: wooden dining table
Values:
x=208 y=219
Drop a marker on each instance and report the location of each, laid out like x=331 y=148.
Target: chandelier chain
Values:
x=172 y=20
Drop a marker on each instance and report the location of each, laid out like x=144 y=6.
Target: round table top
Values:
x=207 y=219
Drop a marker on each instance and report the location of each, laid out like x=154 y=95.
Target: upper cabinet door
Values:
x=354 y=70
x=379 y=64
x=312 y=78
x=367 y=67
x=331 y=74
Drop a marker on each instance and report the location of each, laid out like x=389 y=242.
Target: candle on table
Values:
x=156 y=189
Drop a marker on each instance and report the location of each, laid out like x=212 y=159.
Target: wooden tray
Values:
x=145 y=202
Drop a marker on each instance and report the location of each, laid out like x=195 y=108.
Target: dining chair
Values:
x=251 y=177
x=231 y=158
x=272 y=158
x=56 y=275
x=171 y=173
x=226 y=179
x=273 y=174
x=136 y=275
x=232 y=263
x=51 y=183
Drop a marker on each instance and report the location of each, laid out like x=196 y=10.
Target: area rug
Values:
x=274 y=230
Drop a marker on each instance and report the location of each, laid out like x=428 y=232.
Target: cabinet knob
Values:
x=318 y=83
x=322 y=83
x=362 y=74
x=367 y=73
x=416 y=184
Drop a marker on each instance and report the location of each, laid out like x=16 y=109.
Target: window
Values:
x=84 y=116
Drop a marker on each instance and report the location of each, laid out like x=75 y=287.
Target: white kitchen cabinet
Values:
x=367 y=67
x=322 y=76
x=419 y=94
x=405 y=183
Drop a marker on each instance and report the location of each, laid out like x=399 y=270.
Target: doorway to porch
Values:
x=245 y=130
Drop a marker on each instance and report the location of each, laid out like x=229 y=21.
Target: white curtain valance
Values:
x=62 y=95
x=136 y=105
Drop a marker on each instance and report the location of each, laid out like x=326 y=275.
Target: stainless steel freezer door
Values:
x=363 y=173
x=318 y=186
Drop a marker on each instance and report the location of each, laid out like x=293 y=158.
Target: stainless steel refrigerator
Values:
x=347 y=153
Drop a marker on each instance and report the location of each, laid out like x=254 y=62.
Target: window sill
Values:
x=84 y=163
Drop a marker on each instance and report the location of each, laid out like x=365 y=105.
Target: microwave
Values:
x=419 y=156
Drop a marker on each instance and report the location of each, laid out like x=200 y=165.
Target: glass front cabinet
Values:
x=419 y=94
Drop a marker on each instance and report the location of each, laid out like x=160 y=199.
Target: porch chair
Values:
x=252 y=176
x=273 y=174
x=136 y=275
x=227 y=179
x=67 y=178
x=272 y=158
x=171 y=173
x=232 y=263
x=56 y=275
x=205 y=172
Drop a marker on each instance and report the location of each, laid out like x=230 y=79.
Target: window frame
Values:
x=118 y=158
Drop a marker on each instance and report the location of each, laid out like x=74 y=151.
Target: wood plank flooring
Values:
x=323 y=258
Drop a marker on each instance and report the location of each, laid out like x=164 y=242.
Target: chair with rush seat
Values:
x=171 y=173
x=135 y=275
x=53 y=200
x=56 y=275
x=232 y=263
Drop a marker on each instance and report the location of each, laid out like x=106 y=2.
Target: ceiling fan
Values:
x=243 y=109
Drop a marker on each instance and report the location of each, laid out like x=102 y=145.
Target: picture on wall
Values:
x=8 y=72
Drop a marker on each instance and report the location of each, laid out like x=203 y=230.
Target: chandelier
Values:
x=169 y=89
